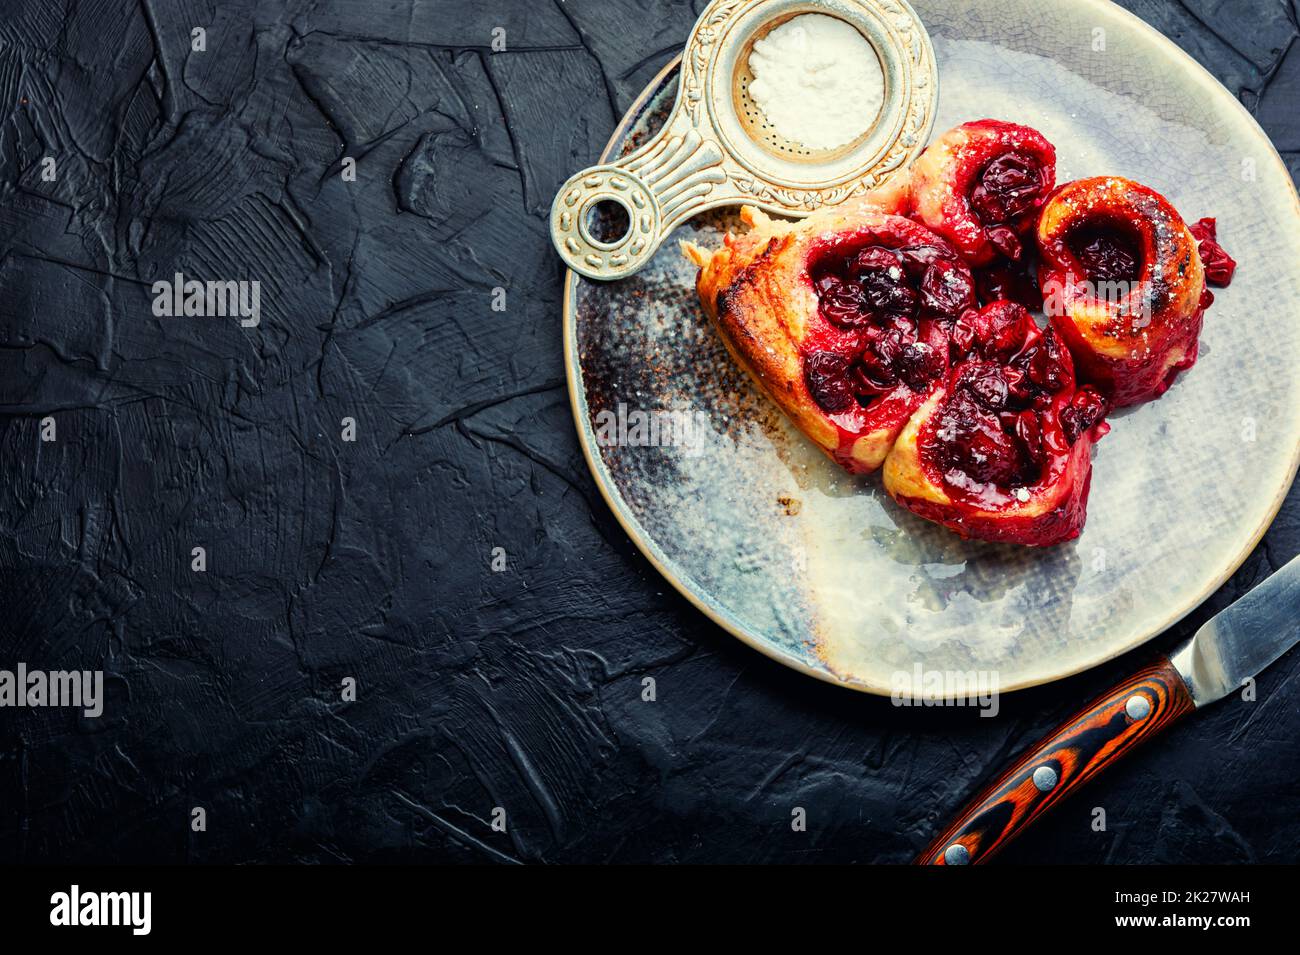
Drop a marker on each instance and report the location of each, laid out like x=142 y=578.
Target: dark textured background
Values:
x=370 y=559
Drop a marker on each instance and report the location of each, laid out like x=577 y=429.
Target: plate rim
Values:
x=650 y=550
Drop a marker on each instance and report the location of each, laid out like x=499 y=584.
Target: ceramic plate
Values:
x=821 y=570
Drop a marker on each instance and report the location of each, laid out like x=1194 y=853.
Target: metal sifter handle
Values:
x=671 y=178
x=710 y=153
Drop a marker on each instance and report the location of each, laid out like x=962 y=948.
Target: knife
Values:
x=1231 y=647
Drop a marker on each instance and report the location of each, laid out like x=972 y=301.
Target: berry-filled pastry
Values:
x=842 y=319
x=1124 y=284
x=895 y=329
x=1001 y=450
x=980 y=186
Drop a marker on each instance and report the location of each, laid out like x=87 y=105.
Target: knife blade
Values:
x=1241 y=641
x=1233 y=646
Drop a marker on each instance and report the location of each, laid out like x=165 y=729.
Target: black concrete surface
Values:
x=371 y=559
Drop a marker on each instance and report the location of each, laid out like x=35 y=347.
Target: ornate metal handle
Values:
x=707 y=155
x=660 y=185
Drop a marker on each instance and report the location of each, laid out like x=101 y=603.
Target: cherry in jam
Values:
x=1003 y=419
x=842 y=303
x=974 y=446
x=1006 y=189
x=1219 y=265
x=1106 y=254
x=884 y=282
x=996 y=332
x=919 y=364
x=827 y=377
x=946 y=290
x=881 y=297
x=1086 y=409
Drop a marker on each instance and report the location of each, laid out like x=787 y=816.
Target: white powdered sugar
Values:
x=817 y=80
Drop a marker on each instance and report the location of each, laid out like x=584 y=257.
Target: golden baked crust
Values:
x=906 y=478
x=1130 y=338
x=757 y=292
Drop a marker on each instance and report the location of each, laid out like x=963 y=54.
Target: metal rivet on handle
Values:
x=1045 y=778
x=1137 y=706
x=956 y=854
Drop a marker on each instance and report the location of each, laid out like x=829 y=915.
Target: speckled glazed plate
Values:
x=821 y=570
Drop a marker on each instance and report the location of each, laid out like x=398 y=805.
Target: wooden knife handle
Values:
x=1112 y=725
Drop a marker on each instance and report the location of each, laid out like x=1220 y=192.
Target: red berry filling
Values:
x=1106 y=254
x=827 y=377
x=995 y=332
x=880 y=297
x=1007 y=188
x=1219 y=265
x=974 y=448
x=1010 y=281
x=1086 y=409
x=1007 y=414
